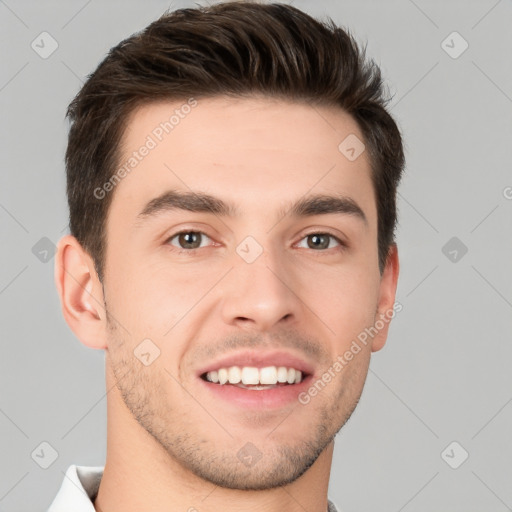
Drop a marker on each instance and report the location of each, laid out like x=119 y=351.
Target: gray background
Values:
x=444 y=374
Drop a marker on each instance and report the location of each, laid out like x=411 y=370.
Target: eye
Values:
x=319 y=241
x=187 y=240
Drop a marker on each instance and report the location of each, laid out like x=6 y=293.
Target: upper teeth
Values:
x=253 y=375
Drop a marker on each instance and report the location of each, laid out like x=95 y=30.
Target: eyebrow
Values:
x=319 y=204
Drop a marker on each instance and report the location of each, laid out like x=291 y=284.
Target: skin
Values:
x=170 y=447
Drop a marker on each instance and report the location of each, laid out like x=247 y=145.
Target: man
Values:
x=232 y=176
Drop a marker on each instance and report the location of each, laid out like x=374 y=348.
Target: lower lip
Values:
x=272 y=398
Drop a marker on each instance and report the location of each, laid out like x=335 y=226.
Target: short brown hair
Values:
x=234 y=49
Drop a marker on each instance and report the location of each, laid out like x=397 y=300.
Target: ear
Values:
x=386 y=308
x=80 y=292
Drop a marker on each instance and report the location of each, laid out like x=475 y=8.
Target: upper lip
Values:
x=259 y=359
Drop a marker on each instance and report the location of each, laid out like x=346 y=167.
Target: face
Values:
x=209 y=267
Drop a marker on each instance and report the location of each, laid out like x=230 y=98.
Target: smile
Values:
x=251 y=377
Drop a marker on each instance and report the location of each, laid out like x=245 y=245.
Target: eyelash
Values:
x=178 y=250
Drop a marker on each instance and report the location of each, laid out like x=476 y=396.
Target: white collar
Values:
x=78 y=490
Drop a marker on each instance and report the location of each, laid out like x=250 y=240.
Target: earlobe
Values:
x=80 y=292
x=387 y=293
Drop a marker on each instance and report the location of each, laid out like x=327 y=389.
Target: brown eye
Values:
x=188 y=240
x=318 y=241
x=321 y=241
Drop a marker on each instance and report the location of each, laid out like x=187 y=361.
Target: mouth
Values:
x=254 y=378
x=257 y=381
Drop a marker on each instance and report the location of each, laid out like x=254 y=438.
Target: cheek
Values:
x=151 y=298
x=346 y=299
x=135 y=297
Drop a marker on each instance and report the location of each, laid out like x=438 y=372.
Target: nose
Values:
x=260 y=295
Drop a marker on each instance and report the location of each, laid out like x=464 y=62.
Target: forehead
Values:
x=255 y=150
